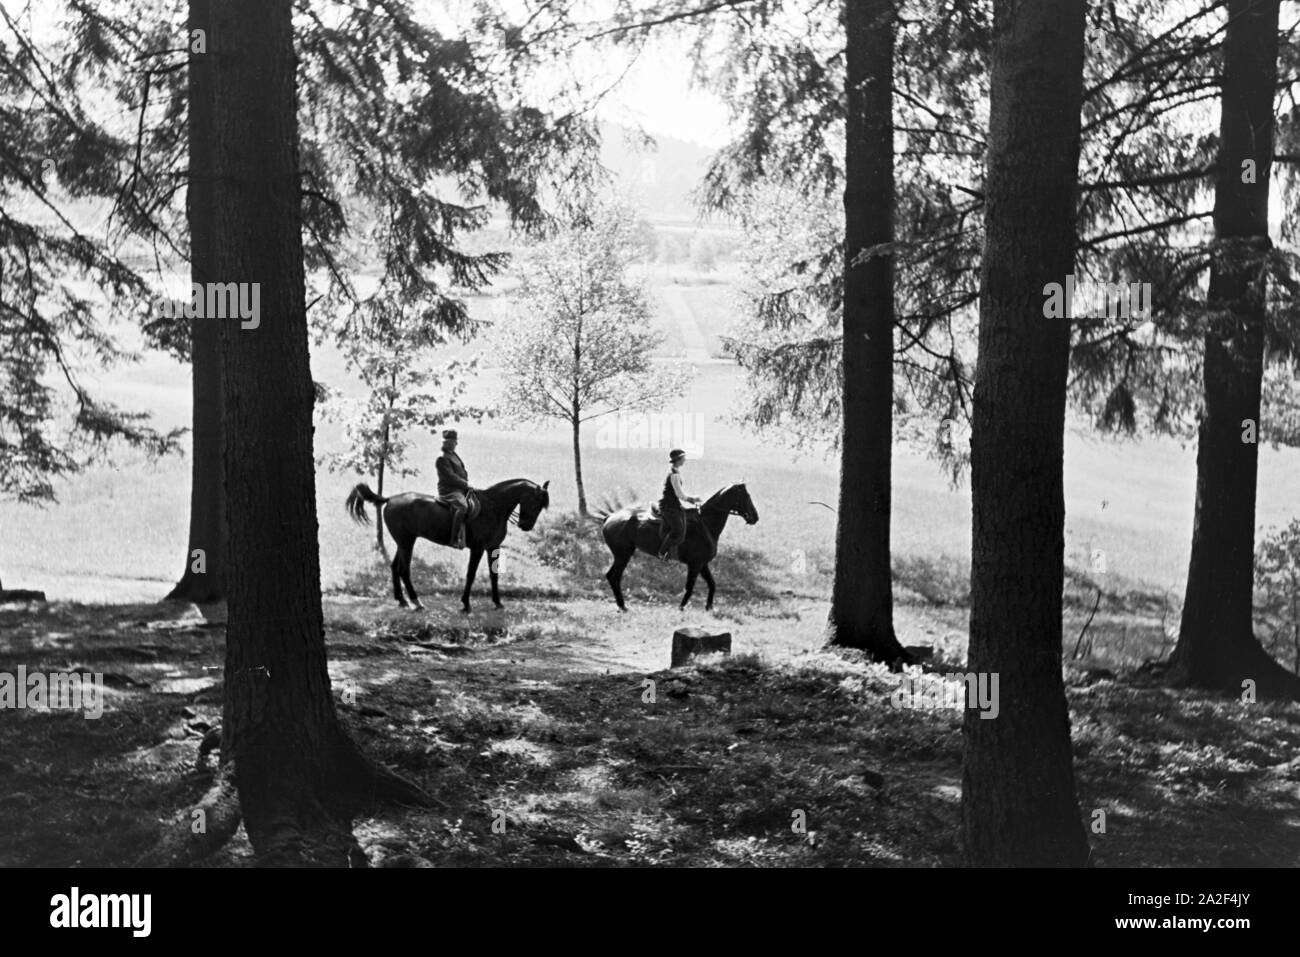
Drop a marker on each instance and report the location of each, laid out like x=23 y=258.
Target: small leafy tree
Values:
x=670 y=249
x=704 y=257
x=405 y=393
x=577 y=344
x=1277 y=592
x=646 y=240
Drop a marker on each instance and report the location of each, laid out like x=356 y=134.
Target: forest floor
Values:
x=552 y=733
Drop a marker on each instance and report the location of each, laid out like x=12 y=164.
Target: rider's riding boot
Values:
x=457 y=529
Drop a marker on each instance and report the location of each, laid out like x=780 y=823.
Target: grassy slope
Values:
x=126 y=522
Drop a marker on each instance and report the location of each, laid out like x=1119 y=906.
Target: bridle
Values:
x=732 y=510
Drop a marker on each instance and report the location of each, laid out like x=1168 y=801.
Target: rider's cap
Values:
x=676 y=454
x=449 y=434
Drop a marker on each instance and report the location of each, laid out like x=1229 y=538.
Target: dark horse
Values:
x=412 y=515
x=632 y=528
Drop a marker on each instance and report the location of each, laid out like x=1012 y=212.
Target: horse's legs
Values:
x=407 y=554
x=691 y=572
x=397 y=577
x=493 y=557
x=708 y=580
x=615 y=577
x=475 y=553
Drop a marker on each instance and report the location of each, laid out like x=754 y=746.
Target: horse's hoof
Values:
x=498 y=606
x=417 y=607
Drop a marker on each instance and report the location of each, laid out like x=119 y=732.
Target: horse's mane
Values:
x=719 y=493
x=505 y=485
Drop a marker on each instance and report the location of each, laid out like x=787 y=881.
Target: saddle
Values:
x=648 y=513
x=472 y=505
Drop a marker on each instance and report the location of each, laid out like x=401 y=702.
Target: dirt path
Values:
x=697 y=346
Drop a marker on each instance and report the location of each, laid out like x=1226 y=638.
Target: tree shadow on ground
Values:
x=533 y=764
x=1186 y=778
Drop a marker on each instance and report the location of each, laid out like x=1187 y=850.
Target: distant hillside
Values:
x=659 y=179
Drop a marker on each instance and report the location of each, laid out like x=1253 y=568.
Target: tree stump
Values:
x=689 y=642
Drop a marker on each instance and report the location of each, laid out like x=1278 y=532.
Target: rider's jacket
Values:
x=453 y=479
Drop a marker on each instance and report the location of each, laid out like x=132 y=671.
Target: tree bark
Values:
x=1217 y=648
x=1018 y=797
x=207 y=533
x=379 y=482
x=577 y=467
x=862 y=602
x=299 y=776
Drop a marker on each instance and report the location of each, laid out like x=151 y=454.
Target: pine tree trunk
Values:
x=207 y=483
x=577 y=467
x=299 y=776
x=1216 y=646
x=862 y=603
x=1018 y=798
x=379 y=483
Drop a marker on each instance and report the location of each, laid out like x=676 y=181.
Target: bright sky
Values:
x=657 y=95
x=653 y=92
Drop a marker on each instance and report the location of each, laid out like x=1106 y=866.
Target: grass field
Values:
x=118 y=531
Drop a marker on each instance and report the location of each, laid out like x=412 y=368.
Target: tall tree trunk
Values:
x=379 y=482
x=1216 y=642
x=1018 y=798
x=862 y=601
x=204 y=578
x=577 y=467
x=299 y=775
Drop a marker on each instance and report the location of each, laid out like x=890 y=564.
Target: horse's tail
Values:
x=606 y=509
x=609 y=506
x=356 y=503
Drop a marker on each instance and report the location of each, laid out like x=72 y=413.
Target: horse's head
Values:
x=735 y=499
x=533 y=500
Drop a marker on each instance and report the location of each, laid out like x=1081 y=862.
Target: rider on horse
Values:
x=453 y=486
x=673 y=505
